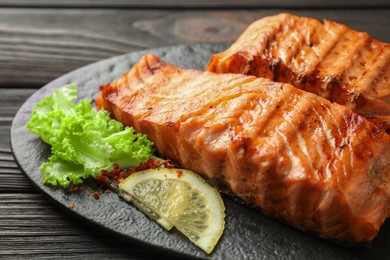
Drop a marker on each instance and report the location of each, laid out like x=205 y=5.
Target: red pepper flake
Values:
x=82 y=188
x=153 y=164
x=96 y=195
x=117 y=174
x=149 y=164
x=103 y=180
x=71 y=205
x=168 y=164
x=179 y=173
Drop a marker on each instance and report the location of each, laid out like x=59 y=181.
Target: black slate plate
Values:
x=248 y=234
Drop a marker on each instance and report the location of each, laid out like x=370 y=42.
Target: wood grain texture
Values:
x=194 y=4
x=38 y=45
x=41 y=43
x=30 y=226
x=10 y=101
x=11 y=177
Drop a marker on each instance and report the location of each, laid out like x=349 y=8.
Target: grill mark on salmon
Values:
x=303 y=33
x=330 y=60
x=296 y=156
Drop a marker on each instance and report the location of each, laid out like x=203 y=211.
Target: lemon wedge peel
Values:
x=180 y=198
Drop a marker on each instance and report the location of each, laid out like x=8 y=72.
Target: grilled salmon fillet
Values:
x=330 y=60
x=296 y=156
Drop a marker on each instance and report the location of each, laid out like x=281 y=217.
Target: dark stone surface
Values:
x=248 y=233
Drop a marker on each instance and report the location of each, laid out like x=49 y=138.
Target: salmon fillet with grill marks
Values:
x=296 y=156
x=330 y=60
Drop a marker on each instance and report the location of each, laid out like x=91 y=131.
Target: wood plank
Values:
x=195 y=4
x=5 y=127
x=11 y=177
x=38 y=45
x=10 y=102
x=32 y=227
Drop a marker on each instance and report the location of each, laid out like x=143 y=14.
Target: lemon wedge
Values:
x=180 y=198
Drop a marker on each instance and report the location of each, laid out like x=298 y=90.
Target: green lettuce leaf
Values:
x=84 y=140
x=61 y=172
x=127 y=144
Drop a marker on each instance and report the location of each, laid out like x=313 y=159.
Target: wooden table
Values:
x=41 y=40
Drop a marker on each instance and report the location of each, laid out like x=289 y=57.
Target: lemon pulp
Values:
x=180 y=198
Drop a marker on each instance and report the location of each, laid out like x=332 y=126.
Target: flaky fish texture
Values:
x=296 y=156
x=330 y=60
